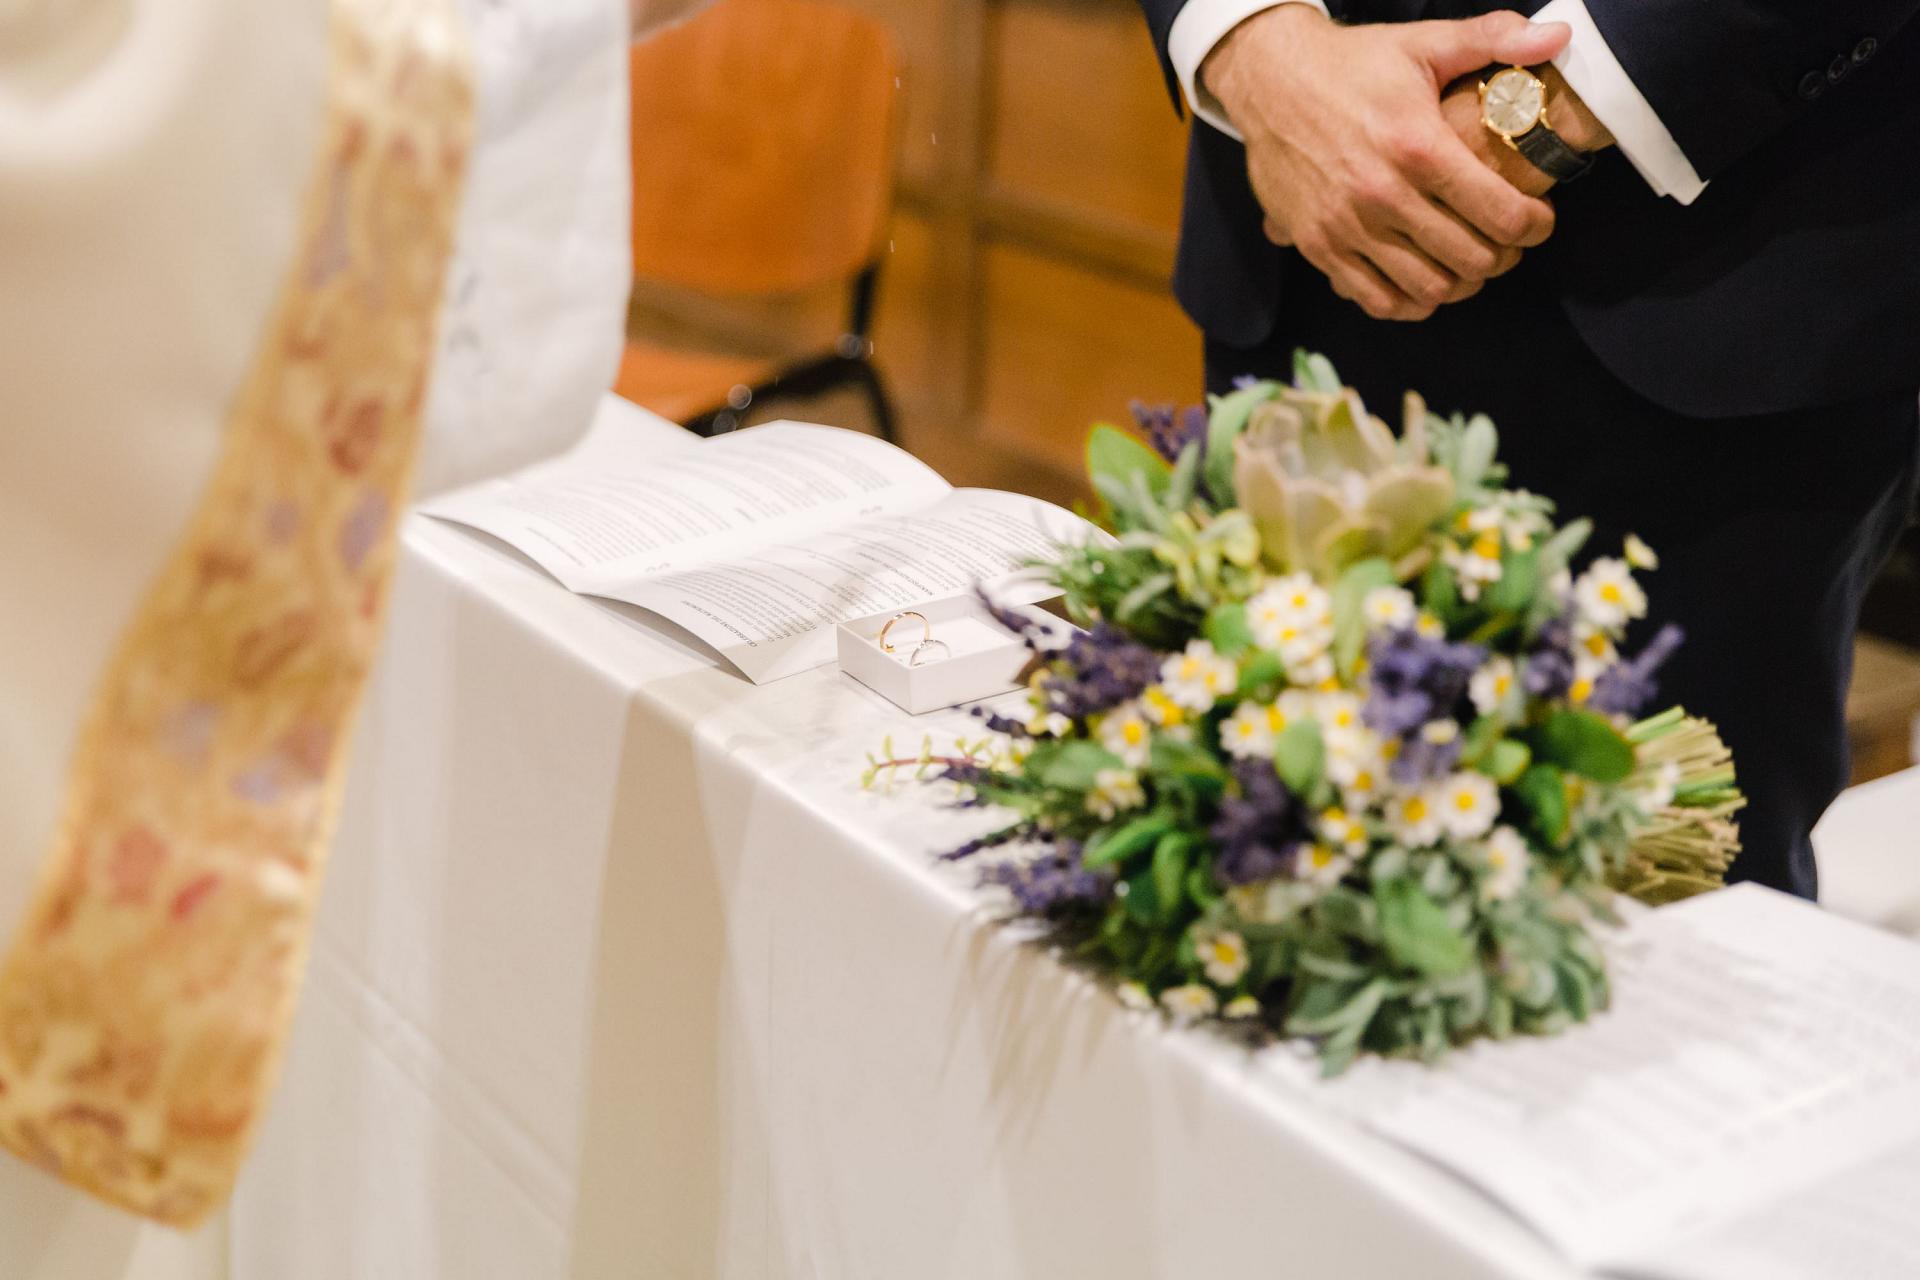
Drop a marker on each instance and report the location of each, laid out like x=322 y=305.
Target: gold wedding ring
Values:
x=926 y=630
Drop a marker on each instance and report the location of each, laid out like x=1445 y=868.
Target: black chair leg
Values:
x=883 y=419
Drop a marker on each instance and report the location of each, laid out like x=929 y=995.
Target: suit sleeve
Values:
x=1726 y=75
x=1160 y=15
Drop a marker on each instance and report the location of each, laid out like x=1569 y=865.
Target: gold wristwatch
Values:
x=1513 y=106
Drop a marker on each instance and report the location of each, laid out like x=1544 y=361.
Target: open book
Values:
x=760 y=541
x=1749 y=1109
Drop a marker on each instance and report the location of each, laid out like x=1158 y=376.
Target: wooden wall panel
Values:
x=1081 y=119
x=1065 y=348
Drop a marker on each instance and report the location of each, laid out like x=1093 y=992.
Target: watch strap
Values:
x=1548 y=152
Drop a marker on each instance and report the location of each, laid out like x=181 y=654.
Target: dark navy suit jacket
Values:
x=1792 y=282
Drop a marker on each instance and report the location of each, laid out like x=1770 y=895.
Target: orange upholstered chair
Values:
x=763 y=158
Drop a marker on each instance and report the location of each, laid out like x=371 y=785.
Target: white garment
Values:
x=153 y=159
x=1588 y=63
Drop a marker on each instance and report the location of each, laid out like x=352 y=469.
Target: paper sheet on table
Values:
x=761 y=541
x=1757 y=1051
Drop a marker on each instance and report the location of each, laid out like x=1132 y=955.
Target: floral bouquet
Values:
x=1347 y=750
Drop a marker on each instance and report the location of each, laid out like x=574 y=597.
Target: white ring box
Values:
x=982 y=658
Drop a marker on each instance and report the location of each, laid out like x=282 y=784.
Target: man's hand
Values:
x=1356 y=166
x=1567 y=115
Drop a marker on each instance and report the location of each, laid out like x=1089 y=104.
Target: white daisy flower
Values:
x=1316 y=673
x=1429 y=627
x=1125 y=732
x=1468 y=803
x=1507 y=861
x=1224 y=957
x=1134 y=996
x=1241 y=1008
x=1198 y=677
x=1159 y=707
x=1388 y=607
x=1337 y=711
x=1289 y=608
x=1343 y=831
x=1189 y=1003
x=1593 y=647
x=1356 y=763
x=1414 y=819
x=1640 y=555
x=1114 y=792
x=1049 y=724
x=1320 y=865
x=1608 y=596
x=1440 y=732
x=1492 y=685
x=1251 y=731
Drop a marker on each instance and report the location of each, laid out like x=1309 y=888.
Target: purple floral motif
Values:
x=1171 y=430
x=361 y=532
x=1422 y=759
x=1259 y=830
x=1625 y=688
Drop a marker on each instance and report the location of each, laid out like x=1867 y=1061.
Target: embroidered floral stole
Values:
x=147 y=995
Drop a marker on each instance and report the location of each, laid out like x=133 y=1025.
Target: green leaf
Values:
x=1415 y=932
x=1349 y=616
x=1300 y=754
x=1314 y=372
x=1071 y=766
x=1187 y=761
x=1477 y=446
x=1543 y=789
x=1143 y=905
x=1321 y=1004
x=1121 y=843
x=1225 y=424
x=1180 y=485
x=1115 y=455
x=1506 y=761
x=1519 y=581
x=1262 y=672
x=1439 y=593
x=1170 y=858
x=1226 y=629
x=1480 y=737
x=1586 y=744
x=1201 y=887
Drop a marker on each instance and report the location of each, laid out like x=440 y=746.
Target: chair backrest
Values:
x=763 y=147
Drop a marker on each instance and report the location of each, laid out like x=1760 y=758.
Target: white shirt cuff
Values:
x=1198 y=27
x=1593 y=72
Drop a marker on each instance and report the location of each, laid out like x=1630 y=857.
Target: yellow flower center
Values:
x=1487 y=546
x=1415 y=809
x=1133 y=733
x=1466 y=801
x=1610 y=592
x=1581 y=691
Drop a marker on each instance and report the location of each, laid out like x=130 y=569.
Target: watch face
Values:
x=1513 y=102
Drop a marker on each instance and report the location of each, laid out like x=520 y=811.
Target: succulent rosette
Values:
x=1352 y=746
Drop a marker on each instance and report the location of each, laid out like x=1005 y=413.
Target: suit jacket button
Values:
x=1867 y=47
x=1812 y=85
x=1837 y=69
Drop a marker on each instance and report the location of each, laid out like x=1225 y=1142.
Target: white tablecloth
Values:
x=620 y=974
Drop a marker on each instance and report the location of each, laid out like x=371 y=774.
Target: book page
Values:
x=772 y=613
x=622 y=507
x=1862 y=1225
x=1756 y=1046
